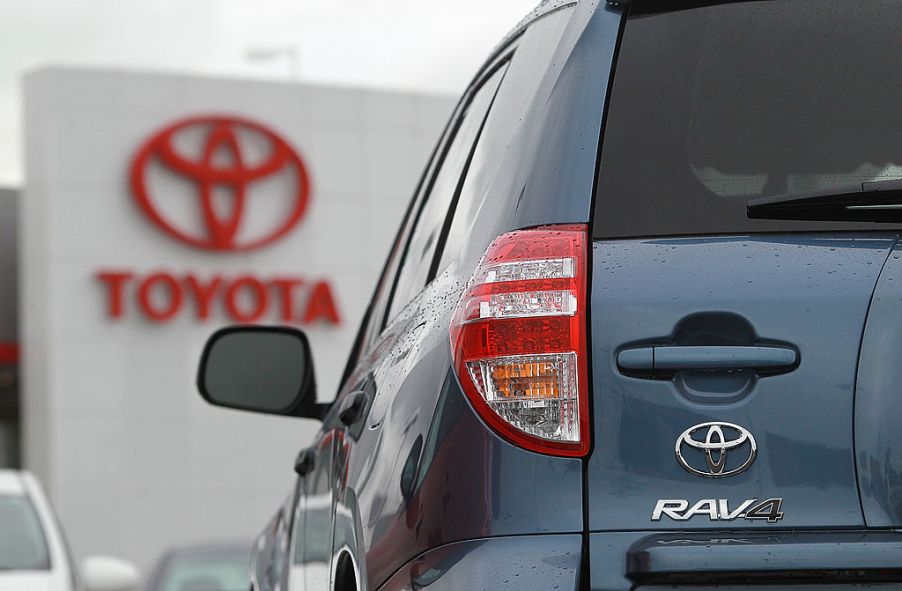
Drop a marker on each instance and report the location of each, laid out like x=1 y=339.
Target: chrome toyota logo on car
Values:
x=723 y=450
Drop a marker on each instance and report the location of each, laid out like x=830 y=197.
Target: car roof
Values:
x=11 y=483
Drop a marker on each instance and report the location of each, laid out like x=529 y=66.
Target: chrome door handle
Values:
x=664 y=360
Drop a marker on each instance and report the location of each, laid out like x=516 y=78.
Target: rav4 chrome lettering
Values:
x=719 y=509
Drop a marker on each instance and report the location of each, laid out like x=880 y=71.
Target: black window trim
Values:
x=459 y=116
x=500 y=56
x=359 y=346
x=452 y=207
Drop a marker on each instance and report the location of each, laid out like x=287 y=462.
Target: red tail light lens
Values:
x=518 y=338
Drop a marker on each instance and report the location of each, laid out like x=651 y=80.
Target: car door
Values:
x=314 y=512
x=386 y=363
x=312 y=556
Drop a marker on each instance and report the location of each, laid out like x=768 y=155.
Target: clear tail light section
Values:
x=518 y=338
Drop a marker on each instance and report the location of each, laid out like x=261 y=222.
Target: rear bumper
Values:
x=535 y=562
x=633 y=560
x=639 y=559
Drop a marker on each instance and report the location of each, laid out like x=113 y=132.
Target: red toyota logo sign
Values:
x=236 y=156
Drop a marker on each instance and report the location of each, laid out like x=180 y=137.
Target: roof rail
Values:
x=543 y=8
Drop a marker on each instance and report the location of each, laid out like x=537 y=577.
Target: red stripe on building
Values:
x=9 y=352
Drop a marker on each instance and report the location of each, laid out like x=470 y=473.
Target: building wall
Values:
x=131 y=456
x=9 y=399
x=8 y=254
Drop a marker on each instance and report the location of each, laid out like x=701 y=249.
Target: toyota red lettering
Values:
x=162 y=296
x=221 y=170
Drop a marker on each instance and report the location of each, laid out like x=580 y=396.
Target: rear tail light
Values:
x=518 y=338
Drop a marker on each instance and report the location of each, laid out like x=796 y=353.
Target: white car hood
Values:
x=22 y=581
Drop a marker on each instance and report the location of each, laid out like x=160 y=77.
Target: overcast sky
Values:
x=426 y=45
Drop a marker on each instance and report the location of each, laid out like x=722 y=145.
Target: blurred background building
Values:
x=142 y=209
x=123 y=272
x=9 y=349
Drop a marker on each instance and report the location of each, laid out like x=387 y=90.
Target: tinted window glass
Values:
x=428 y=227
x=714 y=106
x=470 y=198
x=22 y=543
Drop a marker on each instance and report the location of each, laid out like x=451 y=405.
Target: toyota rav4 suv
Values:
x=641 y=325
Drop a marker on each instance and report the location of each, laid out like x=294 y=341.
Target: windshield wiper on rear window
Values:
x=879 y=201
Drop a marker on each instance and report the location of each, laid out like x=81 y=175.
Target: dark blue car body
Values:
x=421 y=493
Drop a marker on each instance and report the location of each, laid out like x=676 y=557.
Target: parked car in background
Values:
x=33 y=551
x=202 y=567
x=639 y=329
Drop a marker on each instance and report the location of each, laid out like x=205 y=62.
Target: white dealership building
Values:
x=155 y=209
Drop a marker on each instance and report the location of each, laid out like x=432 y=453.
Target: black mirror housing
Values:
x=266 y=369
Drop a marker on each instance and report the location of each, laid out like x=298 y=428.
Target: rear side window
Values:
x=527 y=68
x=717 y=105
x=444 y=187
x=22 y=542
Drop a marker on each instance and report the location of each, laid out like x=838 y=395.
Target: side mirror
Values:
x=104 y=573
x=264 y=369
